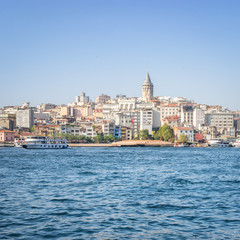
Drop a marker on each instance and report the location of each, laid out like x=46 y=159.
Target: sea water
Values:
x=120 y=193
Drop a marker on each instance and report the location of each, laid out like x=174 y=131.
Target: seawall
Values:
x=129 y=143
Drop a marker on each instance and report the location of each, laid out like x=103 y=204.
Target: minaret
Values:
x=147 y=89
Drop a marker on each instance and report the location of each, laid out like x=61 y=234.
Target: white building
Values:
x=108 y=128
x=168 y=110
x=25 y=118
x=90 y=132
x=198 y=118
x=221 y=120
x=82 y=99
x=187 y=115
x=149 y=119
x=186 y=131
x=127 y=104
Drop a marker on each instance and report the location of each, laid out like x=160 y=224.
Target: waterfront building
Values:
x=108 y=128
x=146 y=120
x=187 y=114
x=209 y=132
x=6 y=136
x=221 y=120
x=117 y=131
x=90 y=132
x=75 y=130
x=48 y=130
x=126 y=133
x=189 y=132
x=147 y=89
x=198 y=118
x=168 y=110
x=171 y=121
x=25 y=118
x=128 y=119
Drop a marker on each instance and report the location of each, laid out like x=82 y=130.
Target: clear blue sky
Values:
x=51 y=50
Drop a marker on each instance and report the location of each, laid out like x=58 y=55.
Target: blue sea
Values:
x=120 y=193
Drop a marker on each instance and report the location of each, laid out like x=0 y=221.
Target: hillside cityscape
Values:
x=121 y=118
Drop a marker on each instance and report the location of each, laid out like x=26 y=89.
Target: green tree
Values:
x=89 y=140
x=118 y=139
x=183 y=138
x=165 y=133
x=81 y=138
x=144 y=135
x=158 y=135
x=98 y=139
x=32 y=129
x=111 y=138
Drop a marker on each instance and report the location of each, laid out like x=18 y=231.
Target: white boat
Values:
x=180 y=145
x=218 y=143
x=39 y=142
x=18 y=142
x=237 y=143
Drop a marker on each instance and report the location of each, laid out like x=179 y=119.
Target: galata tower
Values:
x=147 y=89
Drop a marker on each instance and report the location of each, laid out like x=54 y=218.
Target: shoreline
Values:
x=128 y=143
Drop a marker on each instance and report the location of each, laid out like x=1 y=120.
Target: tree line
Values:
x=164 y=133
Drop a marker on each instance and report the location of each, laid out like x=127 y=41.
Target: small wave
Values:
x=62 y=200
x=166 y=206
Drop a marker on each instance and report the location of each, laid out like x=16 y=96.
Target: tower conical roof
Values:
x=147 y=80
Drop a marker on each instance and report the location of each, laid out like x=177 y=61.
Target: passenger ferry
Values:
x=18 y=142
x=40 y=142
x=218 y=143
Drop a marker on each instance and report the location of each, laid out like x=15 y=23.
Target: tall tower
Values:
x=147 y=89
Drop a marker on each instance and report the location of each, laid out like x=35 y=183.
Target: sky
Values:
x=52 y=50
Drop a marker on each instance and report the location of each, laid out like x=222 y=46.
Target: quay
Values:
x=128 y=143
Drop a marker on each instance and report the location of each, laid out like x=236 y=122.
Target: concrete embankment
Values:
x=129 y=143
x=6 y=145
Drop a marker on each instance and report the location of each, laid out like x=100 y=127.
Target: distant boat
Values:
x=18 y=142
x=180 y=145
x=237 y=143
x=40 y=142
x=218 y=143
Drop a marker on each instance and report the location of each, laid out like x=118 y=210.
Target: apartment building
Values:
x=103 y=99
x=108 y=128
x=221 y=120
x=168 y=110
x=187 y=114
x=126 y=133
x=6 y=136
x=189 y=132
x=25 y=118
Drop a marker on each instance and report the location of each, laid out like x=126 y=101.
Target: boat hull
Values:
x=45 y=146
x=236 y=145
x=219 y=145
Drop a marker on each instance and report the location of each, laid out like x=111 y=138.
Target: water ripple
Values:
x=120 y=193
